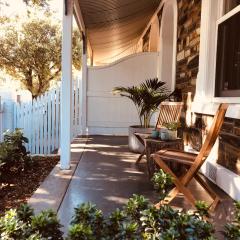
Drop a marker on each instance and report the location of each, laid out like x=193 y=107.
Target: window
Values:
x=231 y=4
x=228 y=52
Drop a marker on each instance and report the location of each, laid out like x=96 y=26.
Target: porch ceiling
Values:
x=114 y=26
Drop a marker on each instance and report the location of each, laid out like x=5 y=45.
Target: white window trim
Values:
x=212 y=15
x=228 y=15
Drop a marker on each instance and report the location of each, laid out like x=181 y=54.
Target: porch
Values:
x=104 y=173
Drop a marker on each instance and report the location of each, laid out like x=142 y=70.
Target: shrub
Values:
x=22 y=224
x=13 y=155
x=88 y=215
x=232 y=230
x=80 y=232
x=137 y=220
x=162 y=183
x=47 y=224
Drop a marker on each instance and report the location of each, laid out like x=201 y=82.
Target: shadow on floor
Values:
x=107 y=176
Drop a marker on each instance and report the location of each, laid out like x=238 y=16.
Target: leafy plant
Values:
x=21 y=224
x=80 y=232
x=47 y=224
x=25 y=213
x=232 y=230
x=146 y=97
x=135 y=205
x=88 y=214
x=11 y=227
x=172 y=126
x=162 y=183
x=13 y=155
x=137 y=220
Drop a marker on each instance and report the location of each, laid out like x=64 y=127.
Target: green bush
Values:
x=22 y=224
x=162 y=183
x=137 y=220
x=232 y=230
x=87 y=214
x=47 y=224
x=13 y=155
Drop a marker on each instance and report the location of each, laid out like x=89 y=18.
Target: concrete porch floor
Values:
x=104 y=172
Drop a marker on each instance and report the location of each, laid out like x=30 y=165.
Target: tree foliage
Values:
x=40 y=3
x=31 y=52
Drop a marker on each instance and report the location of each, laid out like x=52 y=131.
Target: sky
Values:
x=18 y=7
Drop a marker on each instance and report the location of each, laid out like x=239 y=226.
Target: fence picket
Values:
x=57 y=120
x=40 y=119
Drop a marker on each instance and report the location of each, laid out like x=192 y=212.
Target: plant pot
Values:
x=133 y=143
x=172 y=135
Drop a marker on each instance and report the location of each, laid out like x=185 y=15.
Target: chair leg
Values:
x=207 y=187
x=180 y=187
x=214 y=204
x=141 y=156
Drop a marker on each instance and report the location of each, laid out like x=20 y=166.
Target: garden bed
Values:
x=18 y=189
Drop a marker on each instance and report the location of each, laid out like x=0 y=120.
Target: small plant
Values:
x=135 y=205
x=172 y=126
x=162 y=183
x=232 y=230
x=87 y=214
x=47 y=224
x=25 y=213
x=21 y=224
x=13 y=155
x=80 y=232
x=202 y=208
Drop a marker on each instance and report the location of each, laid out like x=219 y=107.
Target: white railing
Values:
x=40 y=120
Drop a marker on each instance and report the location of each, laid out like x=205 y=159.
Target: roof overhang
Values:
x=113 y=27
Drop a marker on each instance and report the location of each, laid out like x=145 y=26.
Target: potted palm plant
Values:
x=146 y=97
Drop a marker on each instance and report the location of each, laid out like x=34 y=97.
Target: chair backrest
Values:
x=169 y=112
x=209 y=141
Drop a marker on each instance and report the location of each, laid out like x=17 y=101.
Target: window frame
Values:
x=224 y=93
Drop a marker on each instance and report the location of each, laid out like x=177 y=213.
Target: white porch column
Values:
x=66 y=86
x=210 y=12
x=84 y=87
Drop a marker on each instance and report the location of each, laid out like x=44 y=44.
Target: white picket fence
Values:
x=40 y=120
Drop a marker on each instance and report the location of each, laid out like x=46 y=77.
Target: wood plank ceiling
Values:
x=115 y=26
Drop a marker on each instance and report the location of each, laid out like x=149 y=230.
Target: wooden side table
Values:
x=154 y=145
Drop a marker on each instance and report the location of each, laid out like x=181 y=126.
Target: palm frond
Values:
x=147 y=97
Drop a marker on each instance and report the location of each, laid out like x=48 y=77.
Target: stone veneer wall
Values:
x=189 y=17
x=188 y=43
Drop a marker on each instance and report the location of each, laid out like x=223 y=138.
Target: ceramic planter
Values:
x=172 y=134
x=133 y=143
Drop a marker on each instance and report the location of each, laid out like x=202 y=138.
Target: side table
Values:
x=154 y=145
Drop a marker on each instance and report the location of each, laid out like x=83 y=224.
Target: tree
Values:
x=31 y=53
x=40 y=3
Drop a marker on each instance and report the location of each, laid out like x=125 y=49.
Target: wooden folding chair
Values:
x=192 y=163
x=168 y=112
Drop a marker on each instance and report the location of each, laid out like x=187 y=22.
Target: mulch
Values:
x=19 y=188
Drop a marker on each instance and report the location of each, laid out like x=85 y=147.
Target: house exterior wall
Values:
x=223 y=165
x=188 y=42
